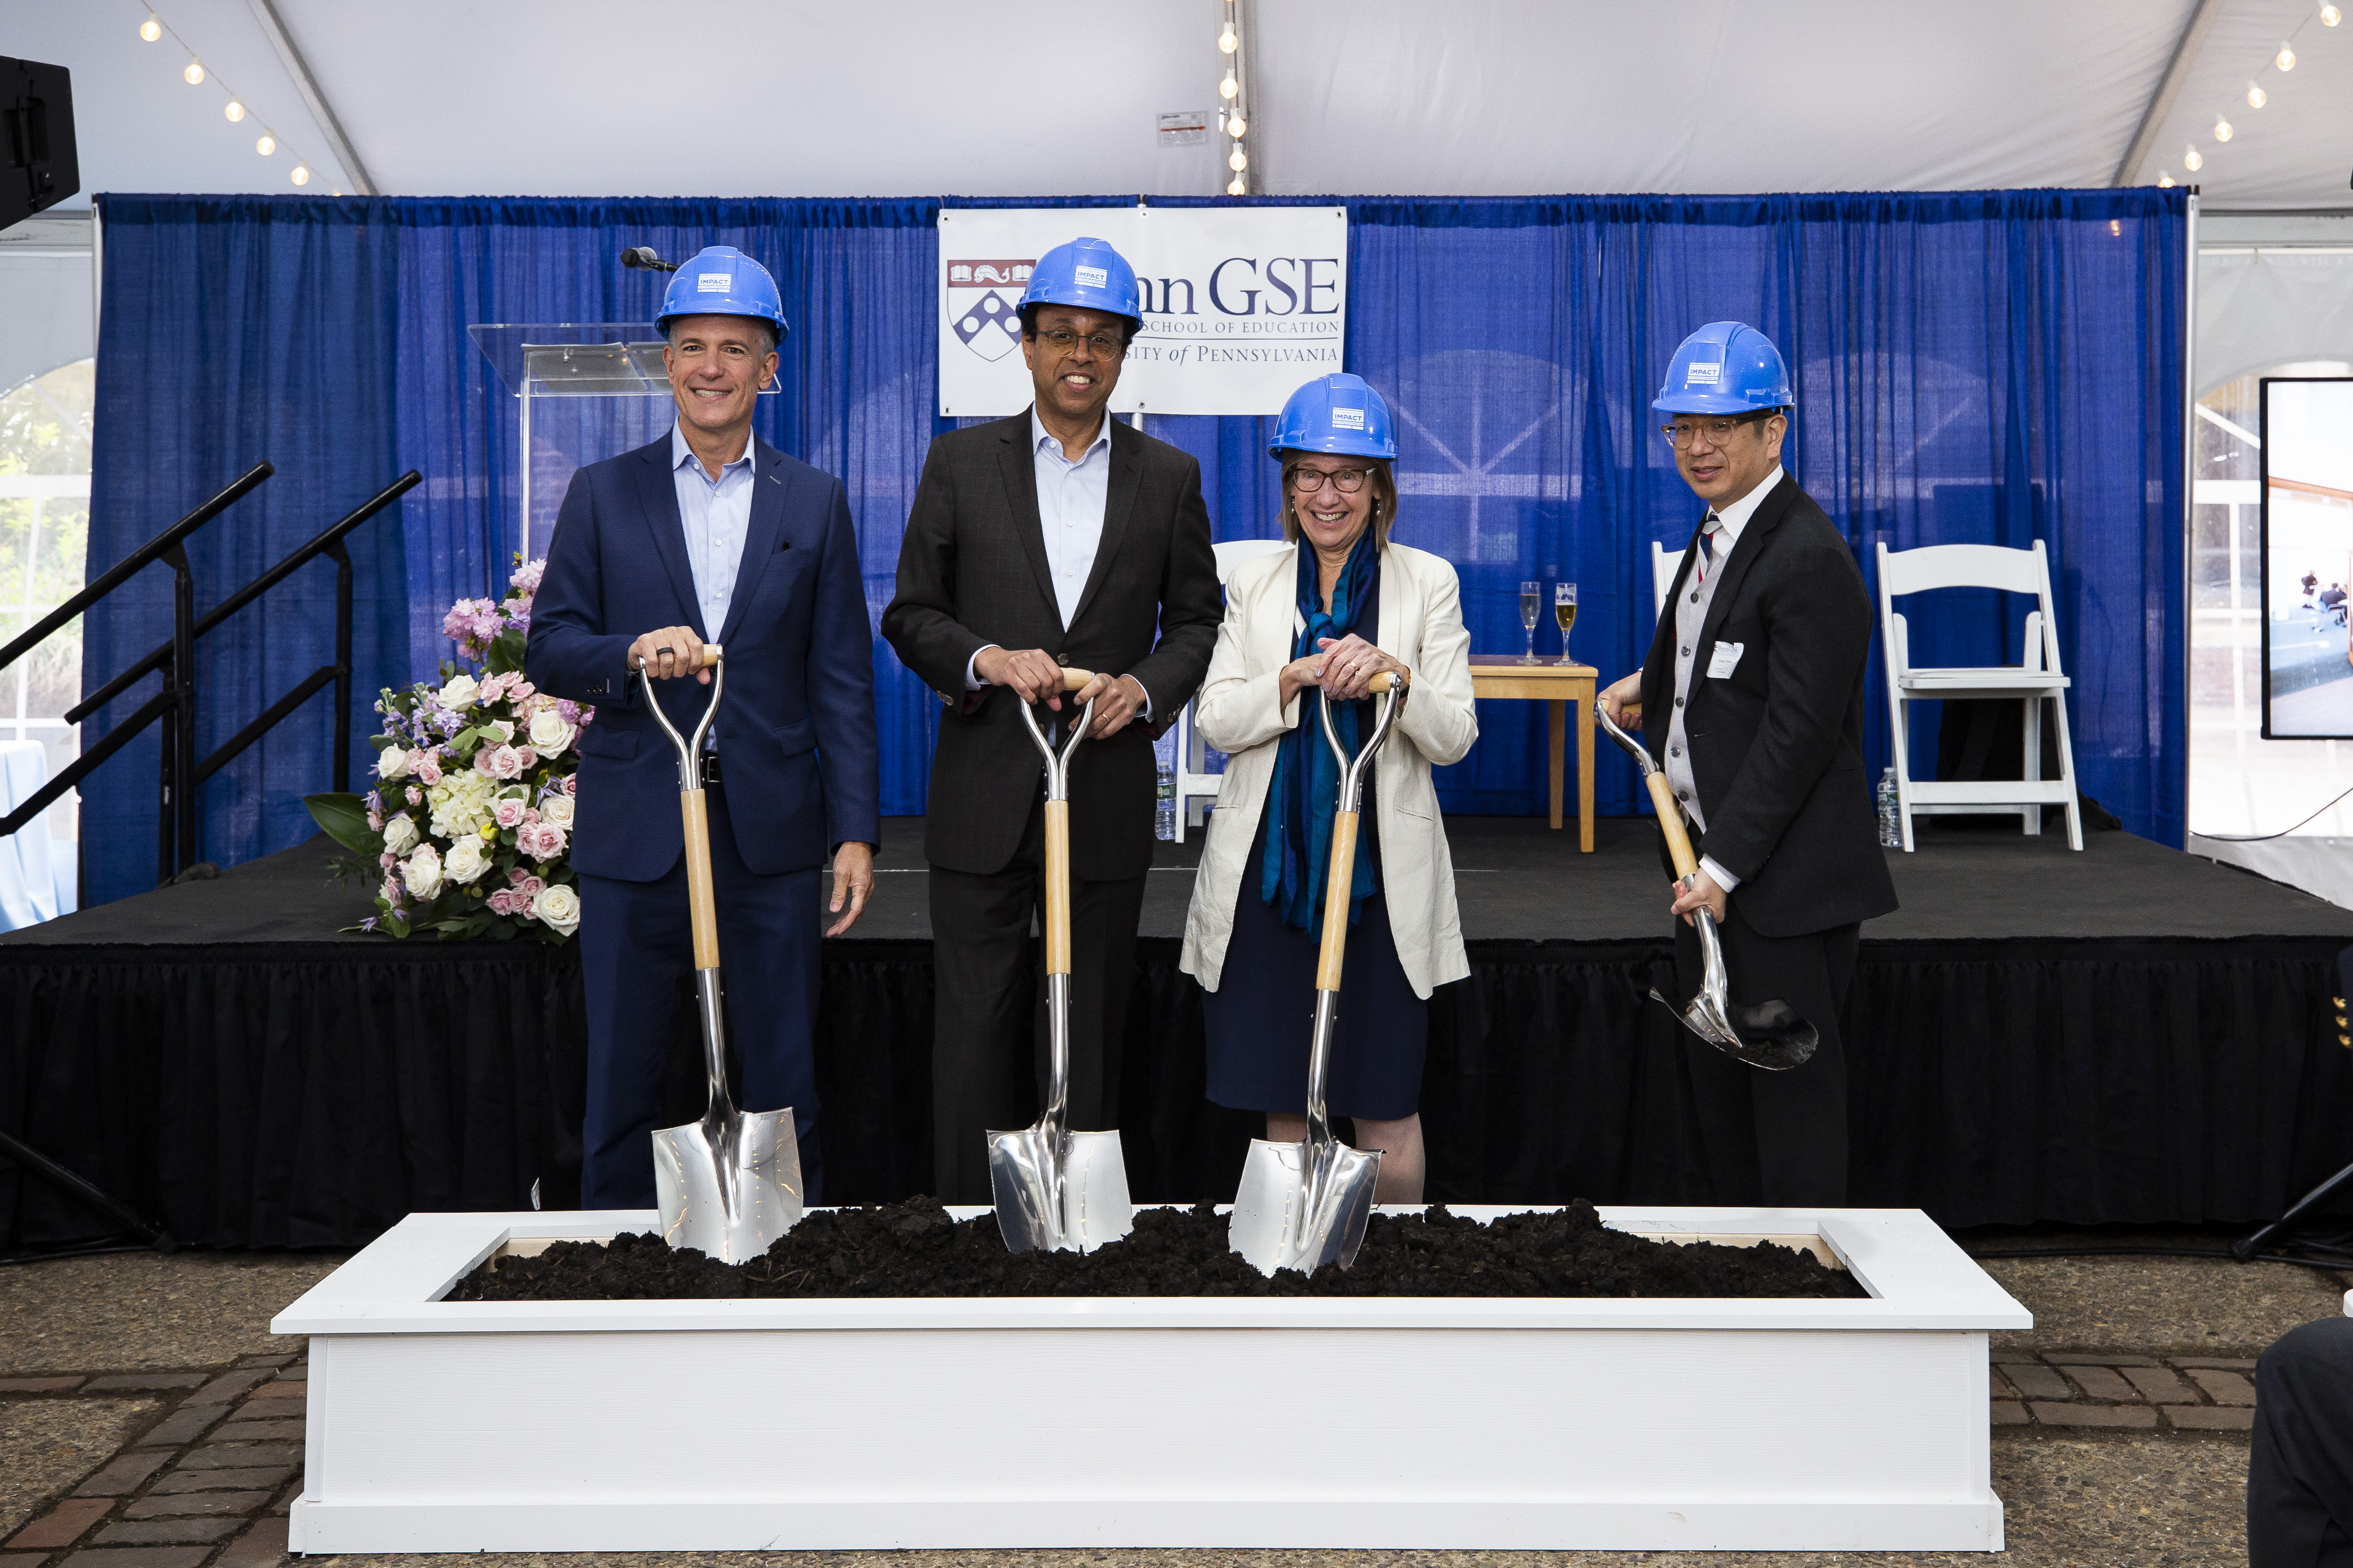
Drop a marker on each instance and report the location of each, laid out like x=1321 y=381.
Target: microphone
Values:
x=643 y=257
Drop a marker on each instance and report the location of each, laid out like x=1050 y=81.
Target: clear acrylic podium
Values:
x=584 y=392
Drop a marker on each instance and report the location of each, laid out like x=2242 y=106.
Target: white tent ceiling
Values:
x=1055 y=97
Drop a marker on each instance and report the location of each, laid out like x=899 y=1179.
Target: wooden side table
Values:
x=1559 y=687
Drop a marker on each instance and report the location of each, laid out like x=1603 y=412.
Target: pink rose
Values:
x=500 y=902
x=522 y=690
x=376 y=820
x=510 y=813
x=429 y=771
x=415 y=796
x=387 y=860
x=529 y=887
x=390 y=891
x=530 y=758
x=571 y=784
x=539 y=840
x=499 y=762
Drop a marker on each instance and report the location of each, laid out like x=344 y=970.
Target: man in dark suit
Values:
x=1752 y=702
x=1057 y=538
x=709 y=535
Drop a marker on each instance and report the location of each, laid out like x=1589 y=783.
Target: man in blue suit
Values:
x=709 y=535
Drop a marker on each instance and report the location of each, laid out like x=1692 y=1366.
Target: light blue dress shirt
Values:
x=717 y=516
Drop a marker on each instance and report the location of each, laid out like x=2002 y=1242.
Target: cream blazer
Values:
x=1237 y=712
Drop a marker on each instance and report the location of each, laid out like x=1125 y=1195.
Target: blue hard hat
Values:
x=721 y=281
x=1725 y=367
x=1338 y=414
x=1088 y=274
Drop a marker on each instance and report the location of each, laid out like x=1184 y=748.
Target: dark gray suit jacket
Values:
x=1777 y=746
x=973 y=571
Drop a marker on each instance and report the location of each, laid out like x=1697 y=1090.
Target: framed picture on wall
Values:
x=2307 y=558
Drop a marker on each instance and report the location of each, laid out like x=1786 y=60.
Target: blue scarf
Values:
x=1304 y=796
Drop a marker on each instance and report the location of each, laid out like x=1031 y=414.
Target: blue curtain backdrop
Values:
x=1982 y=367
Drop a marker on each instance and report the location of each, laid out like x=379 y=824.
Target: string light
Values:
x=236 y=112
x=1227 y=88
x=1238 y=188
x=1238 y=162
x=2256 y=97
x=2222 y=132
x=2330 y=15
x=1237 y=127
x=302 y=175
x=194 y=75
x=235 y=109
x=2165 y=181
x=2193 y=160
x=1226 y=41
x=265 y=144
x=2286 y=58
x=151 y=29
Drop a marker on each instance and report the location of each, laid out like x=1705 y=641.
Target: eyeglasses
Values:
x=1718 y=431
x=1347 y=482
x=1062 y=339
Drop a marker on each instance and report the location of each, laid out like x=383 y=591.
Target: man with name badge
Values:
x=1059 y=538
x=1751 y=701
x=709 y=535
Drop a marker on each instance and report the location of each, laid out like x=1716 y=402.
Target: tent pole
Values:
x=2189 y=490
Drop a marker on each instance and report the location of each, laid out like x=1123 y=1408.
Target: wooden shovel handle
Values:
x=1339 y=880
x=1074 y=679
x=1671 y=823
x=1057 y=886
x=702 y=908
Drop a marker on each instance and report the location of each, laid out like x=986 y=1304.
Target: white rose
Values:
x=422 y=872
x=400 y=834
x=549 y=733
x=559 y=907
x=460 y=694
x=466 y=860
x=557 y=809
x=392 y=763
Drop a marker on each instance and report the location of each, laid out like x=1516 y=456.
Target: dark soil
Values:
x=915 y=1250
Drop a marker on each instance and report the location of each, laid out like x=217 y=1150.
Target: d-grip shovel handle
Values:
x=1339 y=877
x=701 y=904
x=1058 y=823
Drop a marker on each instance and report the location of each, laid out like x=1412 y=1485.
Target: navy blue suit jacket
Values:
x=796 y=722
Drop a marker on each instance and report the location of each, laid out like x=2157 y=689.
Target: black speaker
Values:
x=38 y=167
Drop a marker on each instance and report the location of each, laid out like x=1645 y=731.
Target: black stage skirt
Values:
x=1260 y=1022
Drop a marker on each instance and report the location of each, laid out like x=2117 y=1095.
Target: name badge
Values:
x=1724 y=660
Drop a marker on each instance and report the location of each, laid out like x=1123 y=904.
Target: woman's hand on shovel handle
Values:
x=1697 y=890
x=1350 y=664
x=1622 y=701
x=669 y=653
x=853 y=884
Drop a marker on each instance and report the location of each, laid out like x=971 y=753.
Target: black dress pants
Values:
x=989 y=1031
x=1774 y=1138
x=2300 y=1464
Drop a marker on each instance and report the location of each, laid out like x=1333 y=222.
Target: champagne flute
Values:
x=1531 y=603
x=1564 y=610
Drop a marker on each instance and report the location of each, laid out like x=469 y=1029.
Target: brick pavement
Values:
x=2144 y=1393
x=205 y=1485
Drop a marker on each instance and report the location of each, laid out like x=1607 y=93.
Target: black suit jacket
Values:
x=973 y=571
x=1777 y=746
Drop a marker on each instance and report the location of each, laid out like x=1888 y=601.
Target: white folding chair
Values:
x=1663 y=568
x=2029 y=683
x=1194 y=785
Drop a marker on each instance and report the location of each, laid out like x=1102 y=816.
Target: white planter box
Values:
x=1399 y=1423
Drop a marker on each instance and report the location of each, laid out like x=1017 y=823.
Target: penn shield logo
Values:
x=984 y=299
x=1703 y=373
x=1348 y=418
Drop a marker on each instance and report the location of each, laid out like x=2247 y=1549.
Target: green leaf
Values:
x=383 y=742
x=506 y=653
x=343 y=818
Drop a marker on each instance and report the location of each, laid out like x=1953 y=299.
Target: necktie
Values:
x=1710 y=533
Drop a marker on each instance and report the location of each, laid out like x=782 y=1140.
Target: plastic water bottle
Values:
x=1165 y=822
x=1891 y=816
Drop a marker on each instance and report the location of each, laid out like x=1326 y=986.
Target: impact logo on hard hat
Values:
x=1703 y=373
x=1348 y=418
x=714 y=283
x=1091 y=277
x=983 y=295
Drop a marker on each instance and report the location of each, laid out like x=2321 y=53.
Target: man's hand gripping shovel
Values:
x=1769 y=1035
x=729 y=1184
x=1302 y=1206
x=1059 y=1191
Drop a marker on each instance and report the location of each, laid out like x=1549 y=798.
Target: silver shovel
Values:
x=729 y=1184
x=1059 y=1191
x=1302 y=1206
x=1769 y=1035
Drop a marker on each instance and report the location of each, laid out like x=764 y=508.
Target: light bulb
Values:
x=236 y=112
x=1238 y=162
x=2330 y=15
x=302 y=175
x=1237 y=127
x=2193 y=160
x=151 y=29
x=194 y=74
x=1238 y=188
x=2222 y=132
x=2165 y=181
x=1226 y=41
x=1227 y=88
x=2286 y=58
x=2256 y=97
x=265 y=144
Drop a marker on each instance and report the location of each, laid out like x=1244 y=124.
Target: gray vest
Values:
x=1691 y=615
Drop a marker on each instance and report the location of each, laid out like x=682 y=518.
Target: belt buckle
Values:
x=709 y=768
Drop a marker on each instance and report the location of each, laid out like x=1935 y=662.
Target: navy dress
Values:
x=1261 y=1019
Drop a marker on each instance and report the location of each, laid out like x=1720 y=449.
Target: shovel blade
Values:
x=1072 y=1202
x=729 y=1192
x=1290 y=1214
x=1767 y=1035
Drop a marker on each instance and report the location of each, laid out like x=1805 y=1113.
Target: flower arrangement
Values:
x=471 y=822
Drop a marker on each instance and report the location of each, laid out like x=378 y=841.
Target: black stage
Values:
x=2130 y=1034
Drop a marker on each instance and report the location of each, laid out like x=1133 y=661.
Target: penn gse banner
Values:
x=1240 y=304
